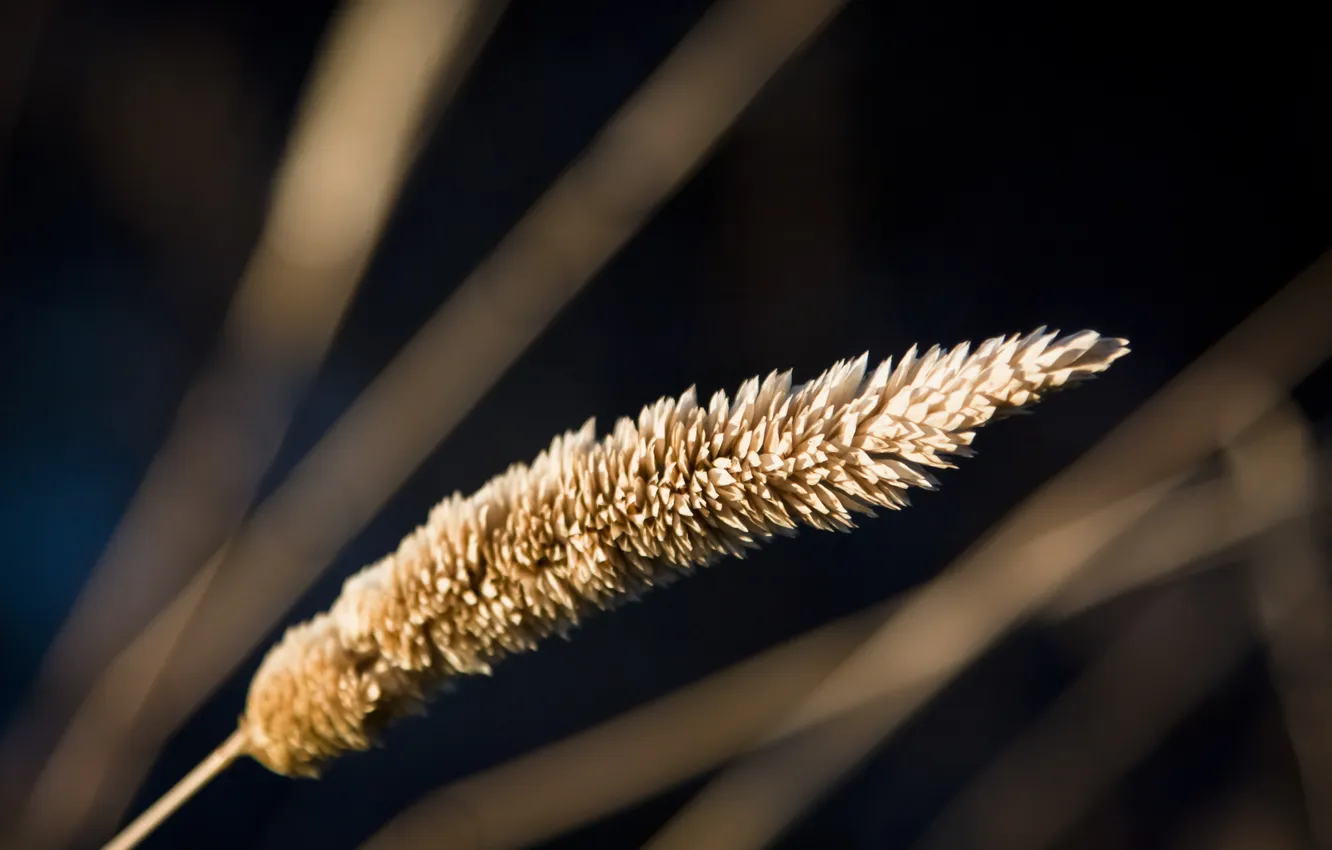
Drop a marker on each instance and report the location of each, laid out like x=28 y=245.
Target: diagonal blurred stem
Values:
x=384 y=67
x=1024 y=562
x=1163 y=664
x=1201 y=526
x=1274 y=470
x=647 y=151
x=628 y=758
x=949 y=623
x=1051 y=775
x=649 y=749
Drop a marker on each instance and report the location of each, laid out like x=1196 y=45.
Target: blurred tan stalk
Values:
x=629 y=758
x=1283 y=339
x=1201 y=526
x=646 y=152
x=1117 y=712
x=652 y=748
x=1023 y=563
x=383 y=65
x=1275 y=472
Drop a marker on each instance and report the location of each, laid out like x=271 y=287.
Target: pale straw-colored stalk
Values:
x=592 y=523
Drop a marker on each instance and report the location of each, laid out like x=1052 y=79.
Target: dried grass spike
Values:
x=591 y=523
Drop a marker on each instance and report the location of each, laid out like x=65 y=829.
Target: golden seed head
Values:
x=591 y=523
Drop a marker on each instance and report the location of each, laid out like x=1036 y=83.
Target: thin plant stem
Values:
x=231 y=749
